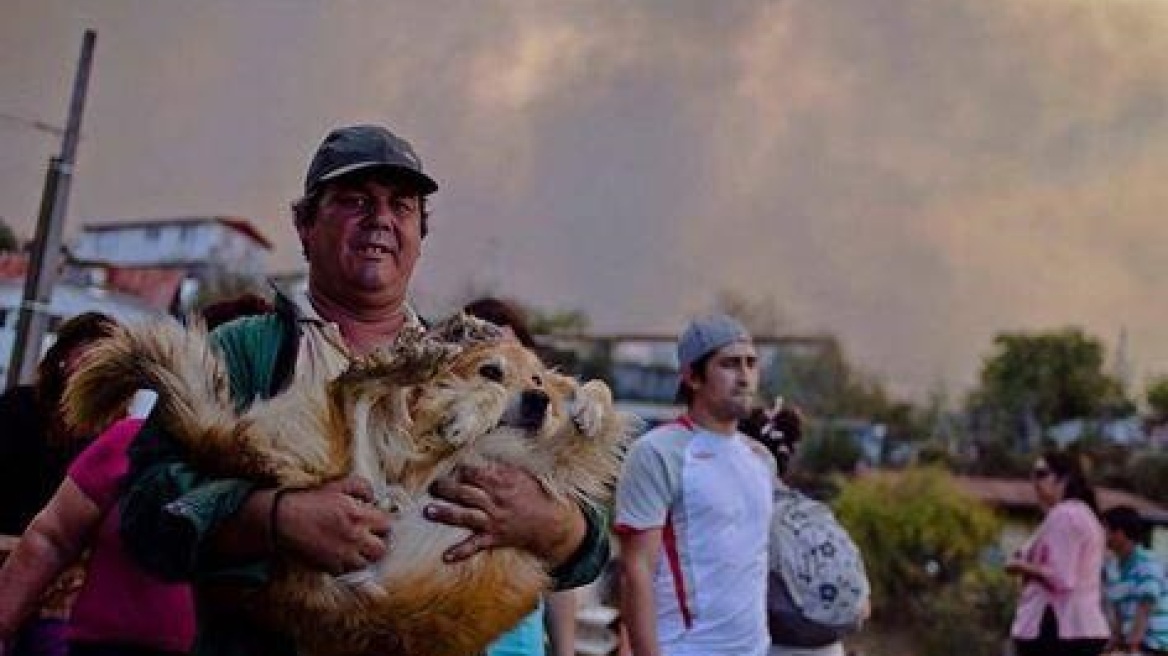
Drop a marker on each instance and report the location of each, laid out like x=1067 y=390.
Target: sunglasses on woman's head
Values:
x=1040 y=472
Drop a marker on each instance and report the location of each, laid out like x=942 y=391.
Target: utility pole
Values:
x=46 y=253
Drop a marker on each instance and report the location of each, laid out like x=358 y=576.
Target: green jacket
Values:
x=169 y=510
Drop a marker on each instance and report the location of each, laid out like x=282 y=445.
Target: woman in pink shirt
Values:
x=1060 y=609
x=120 y=609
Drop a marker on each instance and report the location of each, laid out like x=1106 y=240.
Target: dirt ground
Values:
x=873 y=641
x=878 y=641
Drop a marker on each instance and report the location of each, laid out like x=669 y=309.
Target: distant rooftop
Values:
x=1016 y=493
x=236 y=223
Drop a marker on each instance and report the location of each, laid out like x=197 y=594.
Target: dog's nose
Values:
x=533 y=406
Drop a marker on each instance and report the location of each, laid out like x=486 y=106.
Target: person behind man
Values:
x=1135 y=587
x=693 y=508
x=841 y=568
x=36 y=447
x=119 y=608
x=559 y=620
x=361 y=223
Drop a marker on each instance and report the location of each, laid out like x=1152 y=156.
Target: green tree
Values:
x=8 y=241
x=1156 y=395
x=1046 y=377
x=828 y=451
x=824 y=381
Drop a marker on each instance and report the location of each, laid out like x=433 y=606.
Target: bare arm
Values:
x=54 y=539
x=1139 y=627
x=639 y=554
x=561 y=622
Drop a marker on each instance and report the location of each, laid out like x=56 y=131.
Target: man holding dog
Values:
x=361 y=224
x=693 y=510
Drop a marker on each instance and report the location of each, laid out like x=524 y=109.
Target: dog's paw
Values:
x=587 y=408
x=391 y=499
x=464 y=329
x=459 y=428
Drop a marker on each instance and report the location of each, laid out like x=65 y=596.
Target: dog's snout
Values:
x=527 y=410
x=531 y=410
x=534 y=404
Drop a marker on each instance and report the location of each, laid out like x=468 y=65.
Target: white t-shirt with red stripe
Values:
x=711 y=495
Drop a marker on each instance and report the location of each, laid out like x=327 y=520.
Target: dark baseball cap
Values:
x=362 y=148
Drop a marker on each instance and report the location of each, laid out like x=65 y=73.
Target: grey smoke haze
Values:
x=913 y=175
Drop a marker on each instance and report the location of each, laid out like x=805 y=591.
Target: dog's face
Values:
x=490 y=385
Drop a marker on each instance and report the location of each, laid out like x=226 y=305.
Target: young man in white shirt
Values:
x=693 y=510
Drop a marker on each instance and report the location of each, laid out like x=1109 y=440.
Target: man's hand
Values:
x=506 y=507
x=335 y=527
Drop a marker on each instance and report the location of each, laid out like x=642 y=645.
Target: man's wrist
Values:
x=274 y=536
x=583 y=547
x=563 y=549
x=246 y=535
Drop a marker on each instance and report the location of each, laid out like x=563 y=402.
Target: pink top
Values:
x=120 y=602
x=1068 y=548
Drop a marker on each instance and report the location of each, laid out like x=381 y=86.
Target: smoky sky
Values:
x=912 y=175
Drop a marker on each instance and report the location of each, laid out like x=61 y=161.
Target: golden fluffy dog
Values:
x=454 y=396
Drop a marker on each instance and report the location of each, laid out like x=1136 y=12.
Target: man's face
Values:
x=1116 y=540
x=730 y=382
x=364 y=241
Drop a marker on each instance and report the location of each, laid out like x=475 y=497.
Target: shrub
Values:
x=918 y=532
x=971 y=617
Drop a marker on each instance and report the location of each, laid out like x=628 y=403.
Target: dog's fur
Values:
x=458 y=395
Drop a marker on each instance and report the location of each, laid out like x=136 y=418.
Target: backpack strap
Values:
x=288 y=316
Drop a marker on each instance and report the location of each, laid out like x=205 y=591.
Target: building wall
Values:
x=208 y=242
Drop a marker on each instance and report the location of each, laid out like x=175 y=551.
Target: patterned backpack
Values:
x=817 y=589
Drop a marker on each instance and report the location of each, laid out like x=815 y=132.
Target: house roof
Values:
x=1018 y=493
x=237 y=223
